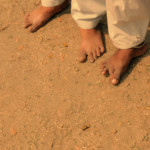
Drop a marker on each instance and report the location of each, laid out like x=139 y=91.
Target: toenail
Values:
x=114 y=81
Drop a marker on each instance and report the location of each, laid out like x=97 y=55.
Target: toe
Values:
x=115 y=76
x=33 y=28
x=98 y=51
x=105 y=71
x=82 y=57
x=103 y=65
x=26 y=16
x=104 y=68
x=102 y=49
x=90 y=57
x=27 y=22
x=94 y=54
x=115 y=81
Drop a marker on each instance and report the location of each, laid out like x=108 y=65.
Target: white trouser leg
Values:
x=128 y=21
x=87 y=13
x=52 y=3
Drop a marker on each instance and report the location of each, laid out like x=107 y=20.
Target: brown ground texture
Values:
x=49 y=101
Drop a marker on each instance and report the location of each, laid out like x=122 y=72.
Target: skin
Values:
x=91 y=45
x=40 y=16
x=118 y=63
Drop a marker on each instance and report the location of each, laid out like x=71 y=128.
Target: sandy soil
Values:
x=49 y=101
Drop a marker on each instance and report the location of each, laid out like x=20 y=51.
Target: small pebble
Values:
x=85 y=127
x=65 y=45
x=13 y=131
x=50 y=56
x=21 y=47
x=59 y=19
x=114 y=131
x=147 y=108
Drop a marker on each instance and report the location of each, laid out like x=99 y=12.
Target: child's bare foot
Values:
x=91 y=44
x=118 y=63
x=37 y=18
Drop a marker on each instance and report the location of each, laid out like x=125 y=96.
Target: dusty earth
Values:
x=49 y=101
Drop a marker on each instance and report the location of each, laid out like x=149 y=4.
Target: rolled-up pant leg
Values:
x=87 y=13
x=51 y=3
x=128 y=21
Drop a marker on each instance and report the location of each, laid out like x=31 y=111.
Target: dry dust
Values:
x=49 y=101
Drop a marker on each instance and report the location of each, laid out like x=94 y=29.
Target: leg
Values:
x=37 y=18
x=127 y=21
x=87 y=14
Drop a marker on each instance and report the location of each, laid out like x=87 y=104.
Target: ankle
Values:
x=47 y=9
x=85 y=33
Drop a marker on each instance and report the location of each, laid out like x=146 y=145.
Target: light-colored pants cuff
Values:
x=87 y=25
x=51 y=3
x=128 y=45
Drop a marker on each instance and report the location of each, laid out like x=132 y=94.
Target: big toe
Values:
x=82 y=58
x=27 y=21
x=34 y=27
x=102 y=49
x=115 y=77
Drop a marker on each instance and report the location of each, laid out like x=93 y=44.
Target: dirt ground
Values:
x=49 y=101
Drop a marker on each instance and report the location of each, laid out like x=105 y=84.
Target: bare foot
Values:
x=118 y=63
x=39 y=17
x=91 y=45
